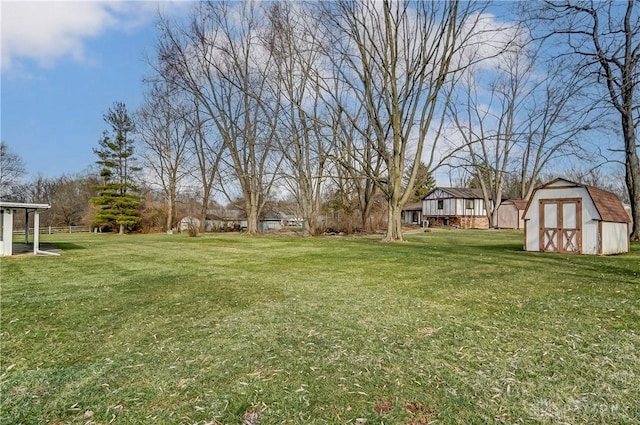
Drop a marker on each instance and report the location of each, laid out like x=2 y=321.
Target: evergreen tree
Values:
x=423 y=184
x=118 y=198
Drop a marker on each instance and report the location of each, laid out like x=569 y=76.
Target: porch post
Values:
x=26 y=226
x=36 y=232
x=7 y=232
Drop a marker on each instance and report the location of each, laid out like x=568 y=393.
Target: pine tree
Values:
x=423 y=184
x=118 y=199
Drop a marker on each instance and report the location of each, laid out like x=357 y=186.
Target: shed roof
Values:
x=607 y=203
x=520 y=204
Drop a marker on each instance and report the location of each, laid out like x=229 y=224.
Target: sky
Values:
x=63 y=66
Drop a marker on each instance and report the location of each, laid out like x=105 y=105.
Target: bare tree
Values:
x=355 y=164
x=392 y=58
x=301 y=139
x=220 y=58
x=208 y=149
x=604 y=40
x=514 y=118
x=12 y=169
x=164 y=128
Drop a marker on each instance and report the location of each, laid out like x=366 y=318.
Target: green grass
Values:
x=450 y=327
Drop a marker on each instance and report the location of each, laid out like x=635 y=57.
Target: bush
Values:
x=192 y=229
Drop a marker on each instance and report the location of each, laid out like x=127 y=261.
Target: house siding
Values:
x=454 y=211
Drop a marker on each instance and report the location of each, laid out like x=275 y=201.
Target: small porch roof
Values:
x=23 y=205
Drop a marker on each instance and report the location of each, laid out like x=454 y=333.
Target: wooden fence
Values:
x=49 y=230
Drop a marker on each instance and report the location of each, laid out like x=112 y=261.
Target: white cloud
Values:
x=48 y=31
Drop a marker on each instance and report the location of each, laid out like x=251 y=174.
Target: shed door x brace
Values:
x=561 y=225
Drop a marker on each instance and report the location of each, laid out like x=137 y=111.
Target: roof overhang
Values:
x=23 y=205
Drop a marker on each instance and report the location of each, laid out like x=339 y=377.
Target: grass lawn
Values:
x=450 y=327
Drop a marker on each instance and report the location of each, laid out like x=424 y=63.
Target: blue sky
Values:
x=63 y=65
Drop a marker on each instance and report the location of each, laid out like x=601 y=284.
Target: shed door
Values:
x=561 y=225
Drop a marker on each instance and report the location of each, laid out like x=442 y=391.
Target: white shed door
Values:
x=560 y=225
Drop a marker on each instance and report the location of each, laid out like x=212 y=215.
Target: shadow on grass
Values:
x=66 y=246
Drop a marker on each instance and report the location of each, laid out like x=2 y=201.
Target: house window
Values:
x=440 y=204
x=468 y=204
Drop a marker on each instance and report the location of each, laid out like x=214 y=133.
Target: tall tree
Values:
x=118 y=196
x=222 y=60
x=208 y=150
x=604 y=40
x=513 y=122
x=392 y=59
x=301 y=140
x=71 y=200
x=12 y=170
x=164 y=127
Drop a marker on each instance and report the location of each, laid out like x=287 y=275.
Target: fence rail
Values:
x=49 y=230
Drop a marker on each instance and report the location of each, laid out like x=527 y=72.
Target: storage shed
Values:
x=568 y=217
x=511 y=214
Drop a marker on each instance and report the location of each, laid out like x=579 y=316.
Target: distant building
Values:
x=458 y=207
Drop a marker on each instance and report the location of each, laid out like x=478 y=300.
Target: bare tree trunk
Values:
x=394 y=223
x=170 y=212
x=632 y=173
x=253 y=214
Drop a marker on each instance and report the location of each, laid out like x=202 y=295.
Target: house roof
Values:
x=414 y=206
x=607 y=203
x=271 y=216
x=226 y=214
x=460 y=192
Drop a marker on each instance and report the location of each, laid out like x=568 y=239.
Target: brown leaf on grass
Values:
x=427 y=331
x=382 y=406
x=421 y=415
x=413 y=406
x=250 y=418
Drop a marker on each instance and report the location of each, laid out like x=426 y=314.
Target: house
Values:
x=511 y=214
x=187 y=223
x=412 y=213
x=7 y=211
x=568 y=217
x=459 y=207
x=225 y=219
x=271 y=220
x=232 y=219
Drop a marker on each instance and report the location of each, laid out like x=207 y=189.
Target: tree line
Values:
x=354 y=105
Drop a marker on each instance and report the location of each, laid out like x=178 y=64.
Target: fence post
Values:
x=49 y=229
